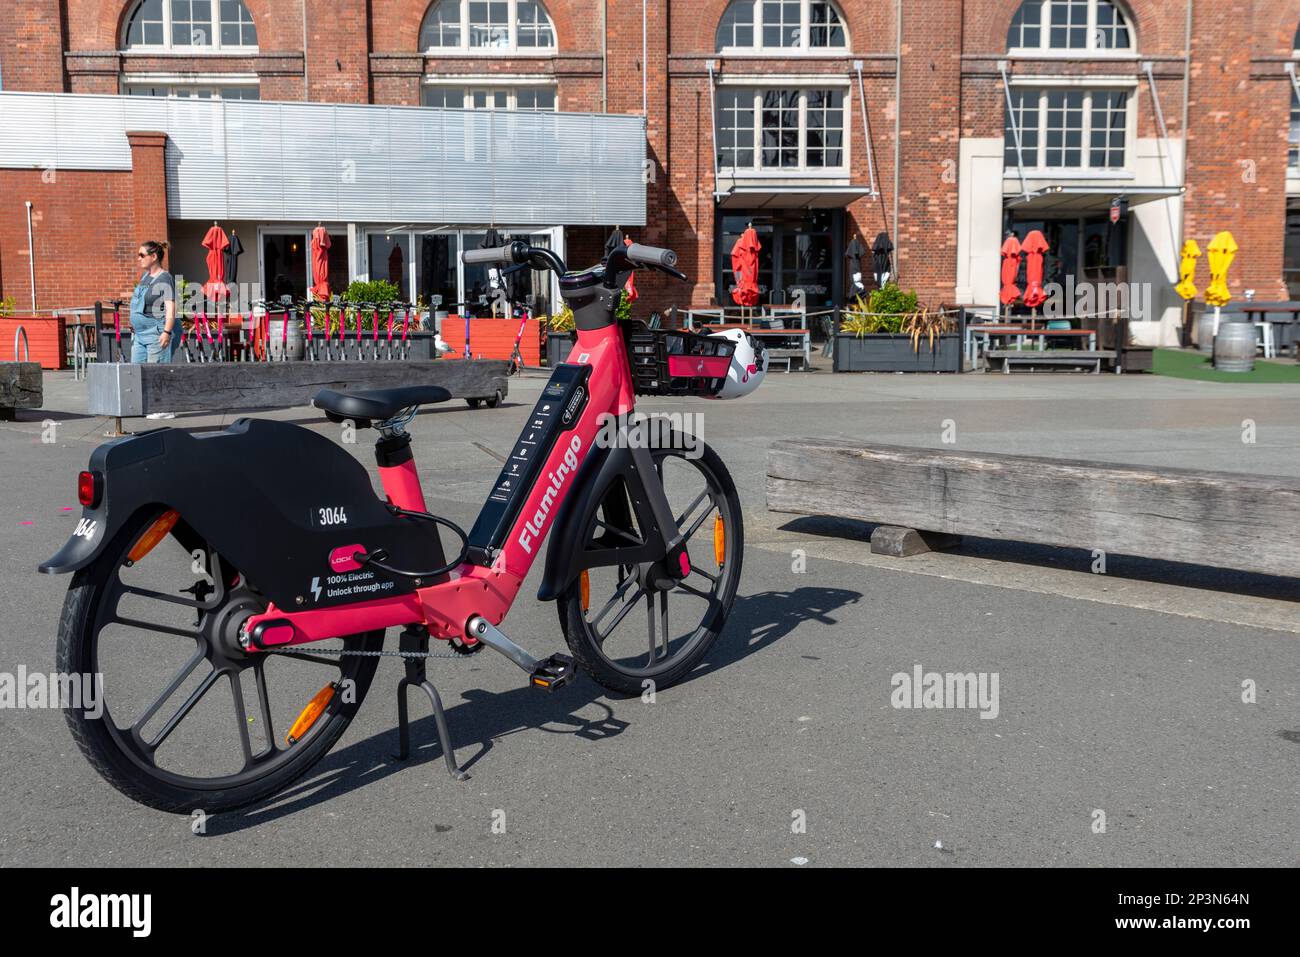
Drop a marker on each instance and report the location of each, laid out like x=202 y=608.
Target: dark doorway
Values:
x=802 y=249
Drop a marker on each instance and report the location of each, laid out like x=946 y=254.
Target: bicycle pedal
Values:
x=553 y=672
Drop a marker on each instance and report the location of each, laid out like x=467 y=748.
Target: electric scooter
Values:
x=259 y=559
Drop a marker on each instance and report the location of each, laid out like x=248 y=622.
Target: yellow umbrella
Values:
x=1222 y=248
x=1187 y=270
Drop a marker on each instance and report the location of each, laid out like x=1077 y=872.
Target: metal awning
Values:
x=790 y=197
x=1087 y=199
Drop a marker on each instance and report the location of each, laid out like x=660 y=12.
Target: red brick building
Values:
x=940 y=123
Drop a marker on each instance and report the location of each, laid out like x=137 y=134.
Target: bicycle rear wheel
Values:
x=630 y=651
x=187 y=719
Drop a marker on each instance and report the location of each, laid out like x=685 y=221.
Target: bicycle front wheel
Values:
x=630 y=636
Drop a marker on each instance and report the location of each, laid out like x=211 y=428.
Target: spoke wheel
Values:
x=186 y=719
x=630 y=633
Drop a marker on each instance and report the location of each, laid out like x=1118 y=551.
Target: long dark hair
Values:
x=155 y=248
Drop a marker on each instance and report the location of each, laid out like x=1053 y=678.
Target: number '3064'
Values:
x=332 y=516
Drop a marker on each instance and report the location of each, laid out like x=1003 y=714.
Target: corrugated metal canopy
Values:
x=1086 y=199
x=790 y=197
x=241 y=159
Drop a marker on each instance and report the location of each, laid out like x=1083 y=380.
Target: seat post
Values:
x=397 y=471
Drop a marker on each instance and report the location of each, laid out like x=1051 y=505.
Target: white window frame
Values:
x=802 y=84
x=171 y=49
x=512 y=49
x=805 y=33
x=174 y=81
x=1088 y=85
x=495 y=82
x=1046 y=52
x=555 y=233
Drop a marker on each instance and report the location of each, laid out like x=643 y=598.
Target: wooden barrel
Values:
x=1205 y=332
x=1234 y=347
x=291 y=346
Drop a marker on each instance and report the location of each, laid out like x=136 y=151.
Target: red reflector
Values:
x=87 y=489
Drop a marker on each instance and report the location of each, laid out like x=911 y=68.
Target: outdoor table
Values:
x=1265 y=325
x=1021 y=333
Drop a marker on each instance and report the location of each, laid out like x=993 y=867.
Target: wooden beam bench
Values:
x=21 y=387
x=1220 y=519
x=1079 y=357
x=123 y=389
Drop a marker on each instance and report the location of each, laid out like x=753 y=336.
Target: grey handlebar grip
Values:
x=497 y=255
x=651 y=255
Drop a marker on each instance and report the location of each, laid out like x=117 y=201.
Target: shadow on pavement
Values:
x=756 y=621
x=1204 y=577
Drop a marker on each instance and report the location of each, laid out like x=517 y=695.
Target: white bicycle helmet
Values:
x=748 y=364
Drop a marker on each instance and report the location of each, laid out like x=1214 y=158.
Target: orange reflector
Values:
x=315 y=708
x=154 y=534
x=719 y=539
x=584 y=589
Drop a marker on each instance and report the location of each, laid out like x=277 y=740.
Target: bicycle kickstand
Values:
x=416 y=638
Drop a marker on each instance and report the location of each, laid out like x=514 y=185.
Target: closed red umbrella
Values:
x=320 y=262
x=629 y=291
x=744 y=264
x=216 y=243
x=1010 y=270
x=1034 y=246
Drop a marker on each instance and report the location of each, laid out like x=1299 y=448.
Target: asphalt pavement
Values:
x=1119 y=698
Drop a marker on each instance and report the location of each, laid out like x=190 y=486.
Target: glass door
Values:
x=801 y=250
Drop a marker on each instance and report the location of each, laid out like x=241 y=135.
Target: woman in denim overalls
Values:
x=153 y=308
x=153 y=312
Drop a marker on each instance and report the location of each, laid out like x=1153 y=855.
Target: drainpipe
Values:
x=604 y=57
x=898 y=115
x=306 y=95
x=645 y=67
x=1015 y=128
x=866 y=129
x=713 y=119
x=31 y=256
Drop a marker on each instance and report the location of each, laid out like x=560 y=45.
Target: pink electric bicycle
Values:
x=223 y=580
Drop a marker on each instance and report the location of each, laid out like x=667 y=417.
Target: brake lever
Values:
x=669 y=270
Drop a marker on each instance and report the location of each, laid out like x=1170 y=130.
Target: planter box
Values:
x=894 y=353
x=46 y=344
x=558 y=347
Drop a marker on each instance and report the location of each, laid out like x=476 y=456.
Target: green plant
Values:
x=374 y=292
x=7 y=306
x=624 y=310
x=563 y=320
x=861 y=320
x=928 y=325
x=891 y=299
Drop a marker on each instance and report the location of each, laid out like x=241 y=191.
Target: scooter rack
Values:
x=415 y=638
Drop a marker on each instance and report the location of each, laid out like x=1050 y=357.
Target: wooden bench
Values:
x=128 y=390
x=1221 y=519
x=21 y=387
x=1082 y=357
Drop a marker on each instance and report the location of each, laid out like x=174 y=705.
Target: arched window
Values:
x=506 y=26
x=1083 y=26
x=781 y=25
x=190 y=24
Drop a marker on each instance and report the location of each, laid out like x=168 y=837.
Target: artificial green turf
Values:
x=1197 y=365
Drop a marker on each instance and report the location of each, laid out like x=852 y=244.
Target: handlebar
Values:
x=651 y=255
x=620 y=260
x=495 y=255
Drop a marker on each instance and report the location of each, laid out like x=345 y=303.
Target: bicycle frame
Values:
x=471 y=590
